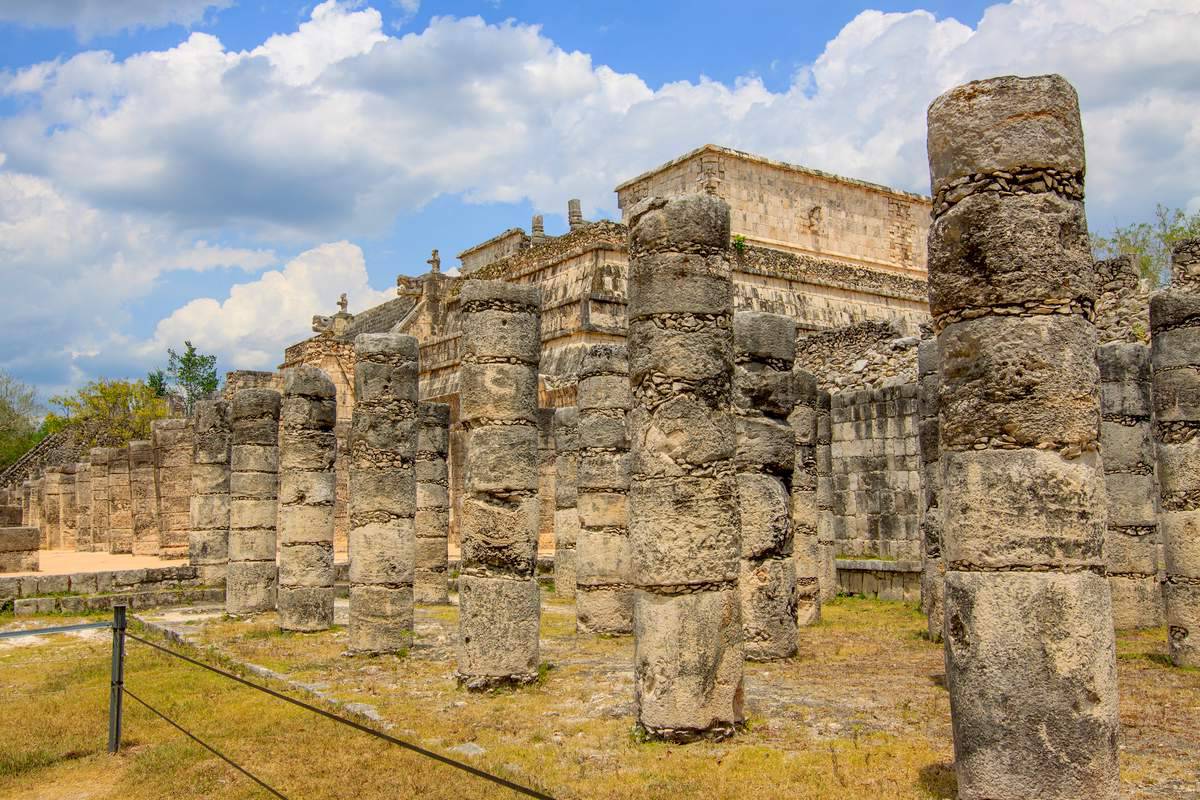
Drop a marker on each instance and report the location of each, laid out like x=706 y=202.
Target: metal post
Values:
x=116 y=695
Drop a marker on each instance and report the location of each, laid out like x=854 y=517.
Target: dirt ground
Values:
x=861 y=712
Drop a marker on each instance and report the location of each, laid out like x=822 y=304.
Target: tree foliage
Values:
x=1150 y=243
x=190 y=376
x=20 y=418
x=108 y=413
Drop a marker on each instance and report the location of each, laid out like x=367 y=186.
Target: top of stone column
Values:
x=309 y=381
x=604 y=359
x=764 y=336
x=477 y=294
x=1005 y=124
x=1185 y=264
x=697 y=223
x=392 y=347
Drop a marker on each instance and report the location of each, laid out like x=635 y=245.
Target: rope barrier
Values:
x=205 y=745
x=516 y=787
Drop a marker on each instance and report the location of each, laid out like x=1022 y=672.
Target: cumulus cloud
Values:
x=250 y=328
x=332 y=131
x=89 y=18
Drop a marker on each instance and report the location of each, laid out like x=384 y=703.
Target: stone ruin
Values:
x=710 y=418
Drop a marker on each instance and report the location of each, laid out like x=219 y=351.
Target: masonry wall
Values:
x=876 y=473
x=799 y=209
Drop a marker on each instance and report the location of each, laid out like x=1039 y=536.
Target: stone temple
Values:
x=763 y=386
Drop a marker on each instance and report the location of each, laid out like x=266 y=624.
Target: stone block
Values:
x=688 y=662
x=383 y=552
x=305 y=608
x=680 y=432
x=1180 y=532
x=1126 y=448
x=250 y=586
x=605 y=391
x=1176 y=394
x=684 y=530
x=996 y=250
x=311 y=450
x=1179 y=470
x=308 y=564
x=603 y=470
x=498 y=622
x=604 y=609
x=1030 y=661
x=1182 y=601
x=678 y=284
x=502 y=458
x=383 y=618
x=1022 y=508
x=1026 y=380
x=603 y=430
x=303 y=523
x=764 y=508
x=1137 y=601
x=503 y=392
x=768 y=597
x=500 y=535
x=1131 y=500
x=254 y=458
x=603 y=557
x=766 y=444
x=688 y=223
x=603 y=509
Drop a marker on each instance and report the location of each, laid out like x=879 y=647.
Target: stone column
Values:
x=100 y=457
x=933 y=570
x=51 y=528
x=764 y=396
x=37 y=497
x=433 y=504
x=84 y=540
x=120 y=502
x=68 y=514
x=208 y=539
x=307 y=450
x=827 y=580
x=144 y=497
x=498 y=381
x=26 y=513
x=250 y=579
x=604 y=572
x=805 y=509
x=1175 y=356
x=173 y=458
x=383 y=493
x=566 y=493
x=683 y=508
x=1030 y=651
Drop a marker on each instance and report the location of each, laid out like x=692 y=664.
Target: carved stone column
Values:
x=208 y=538
x=433 y=504
x=144 y=498
x=173 y=457
x=933 y=570
x=251 y=577
x=566 y=516
x=120 y=502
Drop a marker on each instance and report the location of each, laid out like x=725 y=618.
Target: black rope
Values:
x=516 y=787
x=203 y=744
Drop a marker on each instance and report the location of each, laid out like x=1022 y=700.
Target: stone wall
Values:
x=866 y=355
x=876 y=473
x=799 y=209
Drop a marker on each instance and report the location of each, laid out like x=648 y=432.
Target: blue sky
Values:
x=221 y=171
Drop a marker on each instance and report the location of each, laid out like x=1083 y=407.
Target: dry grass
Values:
x=861 y=712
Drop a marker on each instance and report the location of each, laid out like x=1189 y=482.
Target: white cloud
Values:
x=93 y=17
x=250 y=328
x=116 y=171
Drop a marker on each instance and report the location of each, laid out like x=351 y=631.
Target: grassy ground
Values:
x=862 y=712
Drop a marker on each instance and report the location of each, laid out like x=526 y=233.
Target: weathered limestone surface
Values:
x=827 y=580
x=933 y=569
x=603 y=569
x=173 y=457
x=208 y=539
x=764 y=395
x=51 y=516
x=1030 y=650
x=498 y=593
x=1127 y=445
x=144 y=497
x=251 y=577
x=1175 y=361
x=805 y=507
x=26 y=487
x=37 y=499
x=120 y=502
x=19 y=549
x=68 y=515
x=683 y=513
x=99 y=457
x=383 y=493
x=83 y=506
x=433 y=504
x=307 y=450
x=566 y=516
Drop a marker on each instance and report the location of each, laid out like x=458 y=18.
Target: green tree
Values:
x=157 y=380
x=1150 y=243
x=190 y=376
x=108 y=413
x=20 y=418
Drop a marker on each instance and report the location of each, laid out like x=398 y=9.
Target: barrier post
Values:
x=116 y=688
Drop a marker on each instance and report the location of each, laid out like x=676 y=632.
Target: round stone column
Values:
x=208 y=536
x=566 y=496
x=433 y=504
x=683 y=502
x=603 y=571
x=1030 y=652
x=250 y=581
x=827 y=580
x=499 y=604
x=1175 y=359
x=383 y=492
x=307 y=451
x=764 y=396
